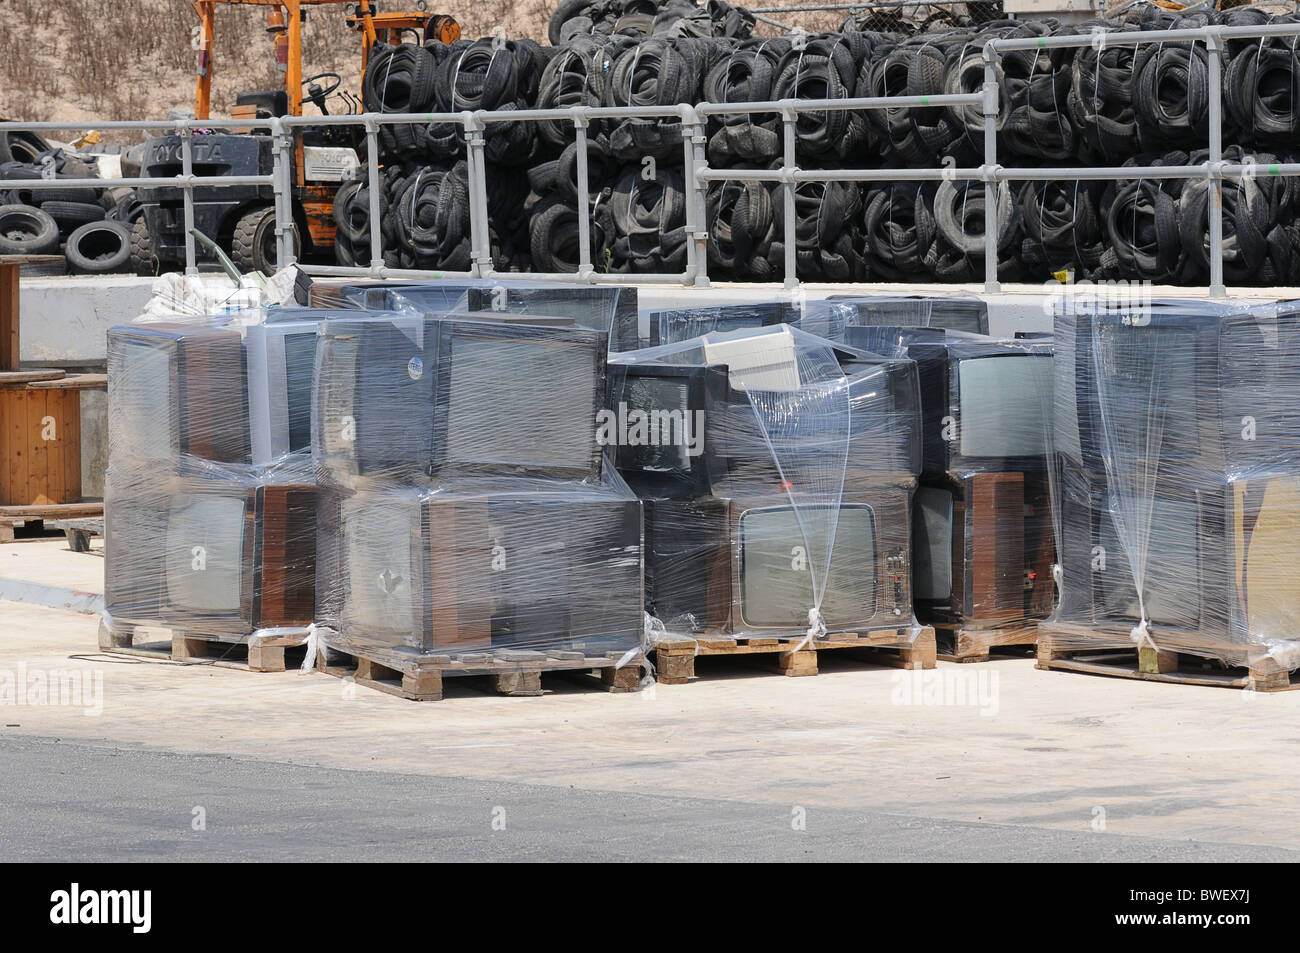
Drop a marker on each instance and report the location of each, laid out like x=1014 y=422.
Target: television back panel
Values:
x=674 y=325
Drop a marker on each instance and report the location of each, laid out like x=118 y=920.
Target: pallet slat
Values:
x=511 y=673
x=1152 y=665
x=675 y=657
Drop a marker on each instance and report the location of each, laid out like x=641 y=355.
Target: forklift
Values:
x=241 y=219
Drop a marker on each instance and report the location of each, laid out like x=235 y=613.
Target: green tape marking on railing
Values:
x=925 y=100
x=1042 y=42
x=1274 y=170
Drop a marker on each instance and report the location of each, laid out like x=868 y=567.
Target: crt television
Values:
x=218 y=392
x=733 y=566
x=985 y=405
x=440 y=573
x=982 y=549
x=211 y=557
x=417 y=395
x=668 y=418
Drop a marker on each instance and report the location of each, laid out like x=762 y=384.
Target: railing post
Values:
x=789 y=117
x=580 y=123
x=480 y=237
x=372 y=180
x=187 y=171
x=697 y=213
x=1214 y=165
x=282 y=186
x=989 y=172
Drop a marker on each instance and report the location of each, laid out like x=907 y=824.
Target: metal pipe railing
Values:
x=697 y=172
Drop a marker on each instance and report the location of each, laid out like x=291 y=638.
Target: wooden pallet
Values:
x=959 y=643
x=11 y=516
x=675 y=657
x=1148 y=664
x=516 y=673
x=254 y=653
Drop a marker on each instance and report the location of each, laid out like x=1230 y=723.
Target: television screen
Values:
x=1172 y=578
x=932 y=531
x=1004 y=405
x=379 y=536
x=143 y=395
x=658 y=396
x=299 y=362
x=205 y=554
x=522 y=402
x=778 y=561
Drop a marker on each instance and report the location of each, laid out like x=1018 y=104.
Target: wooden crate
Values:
x=516 y=673
x=1113 y=654
x=252 y=653
x=675 y=657
x=959 y=643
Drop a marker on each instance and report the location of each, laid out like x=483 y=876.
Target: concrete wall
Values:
x=65 y=320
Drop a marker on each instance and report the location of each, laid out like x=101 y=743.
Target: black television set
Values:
x=438 y=572
x=211 y=557
x=985 y=404
x=420 y=396
x=734 y=566
x=665 y=420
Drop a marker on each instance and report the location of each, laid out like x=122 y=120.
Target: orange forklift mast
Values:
x=284 y=23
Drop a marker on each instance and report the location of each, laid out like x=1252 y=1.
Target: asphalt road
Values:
x=62 y=801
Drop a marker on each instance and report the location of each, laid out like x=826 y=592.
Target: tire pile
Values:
x=91 y=227
x=1096 y=105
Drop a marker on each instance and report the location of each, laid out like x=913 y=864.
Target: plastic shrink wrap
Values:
x=467 y=513
x=777 y=471
x=211 y=501
x=1176 y=498
x=606 y=308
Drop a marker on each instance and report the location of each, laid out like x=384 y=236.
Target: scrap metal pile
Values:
x=1099 y=104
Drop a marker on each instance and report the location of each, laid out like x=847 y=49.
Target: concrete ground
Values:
x=859 y=762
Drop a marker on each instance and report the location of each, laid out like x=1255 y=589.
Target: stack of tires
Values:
x=91 y=227
x=1097 y=104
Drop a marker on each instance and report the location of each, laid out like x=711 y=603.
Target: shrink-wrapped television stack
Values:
x=469 y=523
x=210 y=499
x=777 y=470
x=982 y=570
x=1176 y=437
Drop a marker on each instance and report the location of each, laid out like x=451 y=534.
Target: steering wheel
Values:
x=316 y=94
